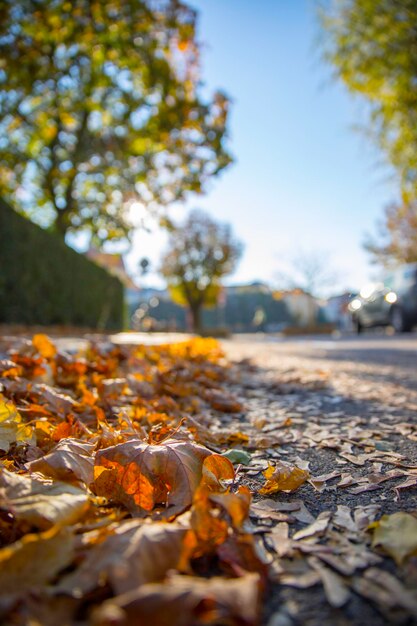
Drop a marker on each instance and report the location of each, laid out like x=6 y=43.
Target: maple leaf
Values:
x=134 y=554
x=283 y=477
x=186 y=600
x=70 y=460
x=141 y=476
x=42 y=503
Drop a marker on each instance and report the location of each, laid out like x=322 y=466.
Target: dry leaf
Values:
x=185 y=600
x=337 y=592
x=42 y=503
x=318 y=527
x=397 y=535
x=12 y=429
x=35 y=560
x=134 y=555
x=141 y=476
x=70 y=460
x=223 y=402
x=283 y=477
x=44 y=346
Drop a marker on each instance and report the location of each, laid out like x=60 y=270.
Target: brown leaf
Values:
x=141 y=476
x=186 y=601
x=56 y=402
x=42 y=503
x=134 y=555
x=70 y=460
x=223 y=402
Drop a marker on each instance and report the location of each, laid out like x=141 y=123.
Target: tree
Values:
x=200 y=252
x=100 y=107
x=396 y=238
x=372 y=46
x=310 y=271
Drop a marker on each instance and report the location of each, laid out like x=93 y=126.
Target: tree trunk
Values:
x=196 y=318
x=62 y=223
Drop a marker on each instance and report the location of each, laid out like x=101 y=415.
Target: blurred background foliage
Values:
x=101 y=107
x=372 y=45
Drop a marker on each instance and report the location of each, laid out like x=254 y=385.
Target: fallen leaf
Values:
x=397 y=535
x=39 y=502
x=385 y=590
x=279 y=539
x=70 y=459
x=187 y=600
x=44 y=346
x=141 y=476
x=223 y=402
x=238 y=456
x=343 y=519
x=12 y=428
x=35 y=560
x=135 y=554
x=407 y=484
x=283 y=477
x=336 y=590
x=318 y=527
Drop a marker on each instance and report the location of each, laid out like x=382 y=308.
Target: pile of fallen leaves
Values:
x=114 y=506
x=124 y=496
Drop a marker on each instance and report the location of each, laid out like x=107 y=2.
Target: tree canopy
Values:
x=372 y=46
x=200 y=253
x=100 y=107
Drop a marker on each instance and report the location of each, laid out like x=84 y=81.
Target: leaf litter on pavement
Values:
x=135 y=488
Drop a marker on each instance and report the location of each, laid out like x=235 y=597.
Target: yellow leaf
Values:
x=11 y=427
x=397 y=535
x=283 y=477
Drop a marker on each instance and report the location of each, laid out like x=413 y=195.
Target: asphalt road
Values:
x=397 y=351
x=354 y=391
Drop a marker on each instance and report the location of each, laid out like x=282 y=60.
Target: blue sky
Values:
x=303 y=179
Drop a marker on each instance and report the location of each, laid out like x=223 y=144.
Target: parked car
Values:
x=391 y=302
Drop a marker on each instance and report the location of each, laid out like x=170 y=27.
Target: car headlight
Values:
x=391 y=297
x=355 y=305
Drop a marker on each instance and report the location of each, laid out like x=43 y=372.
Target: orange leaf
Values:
x=44 y=346
x=217 y=468
x=141 y=476
x=283 y=477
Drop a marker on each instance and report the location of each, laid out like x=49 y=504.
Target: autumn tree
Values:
x=396 y=238
x=372 y=47
x=100 y=106
x=200 y=253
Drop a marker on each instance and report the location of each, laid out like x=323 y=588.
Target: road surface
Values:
x=345 y=409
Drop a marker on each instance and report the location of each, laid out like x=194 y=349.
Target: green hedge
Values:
x=43 y=281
